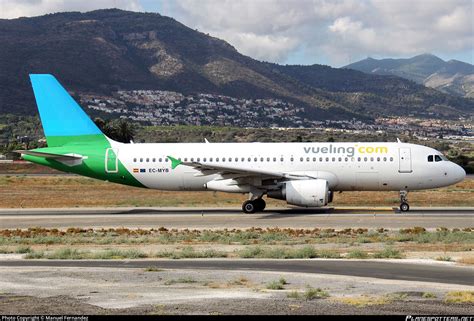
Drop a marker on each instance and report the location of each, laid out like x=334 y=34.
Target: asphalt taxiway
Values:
x=206 y=218
x=393 y=270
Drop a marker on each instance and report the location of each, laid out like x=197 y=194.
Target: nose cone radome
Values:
x=458 y=173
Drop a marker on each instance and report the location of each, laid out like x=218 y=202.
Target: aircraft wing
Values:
x=235 y=171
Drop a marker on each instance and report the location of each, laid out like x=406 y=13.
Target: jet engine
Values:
x=308 y=193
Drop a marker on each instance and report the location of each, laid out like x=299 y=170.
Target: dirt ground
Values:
x=13 y=304
x=136 y=291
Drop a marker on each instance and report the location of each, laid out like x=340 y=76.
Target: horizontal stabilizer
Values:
x=49 y=155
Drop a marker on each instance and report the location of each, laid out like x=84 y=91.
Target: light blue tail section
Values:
x=60 y=114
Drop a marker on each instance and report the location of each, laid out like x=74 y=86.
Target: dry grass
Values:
x=466 y=260
x=74 y=191
x=460 y=297
x=364 y=301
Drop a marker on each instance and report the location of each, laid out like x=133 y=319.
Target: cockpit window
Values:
x=444 y=158
x=430 y=158
x=438 y=158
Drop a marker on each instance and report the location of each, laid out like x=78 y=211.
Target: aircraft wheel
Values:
x=260 y=204
x=404 y=207
x=249 y=207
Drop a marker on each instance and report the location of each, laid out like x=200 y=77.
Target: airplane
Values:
x=302 y=174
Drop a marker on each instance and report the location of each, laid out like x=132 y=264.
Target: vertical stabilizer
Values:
x=62 y=118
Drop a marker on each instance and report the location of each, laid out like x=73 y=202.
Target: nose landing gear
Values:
x=404 y=207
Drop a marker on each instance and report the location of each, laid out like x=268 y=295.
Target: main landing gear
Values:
x=252 y=206
x=404 y=207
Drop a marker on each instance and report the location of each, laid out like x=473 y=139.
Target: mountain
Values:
x=103 y=51
x=452 y=77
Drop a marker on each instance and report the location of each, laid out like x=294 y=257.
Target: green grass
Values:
x=311 y=294
x=428 y=295
x=388 y=253
x=294 y=295
x=189 y=253
x=184 y=280
x=74 y=254
x=357 y=254
x=252 y=236
x=23 y=250
x=277 y=285
x=306 y=252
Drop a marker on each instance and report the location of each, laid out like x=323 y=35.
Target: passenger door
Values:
x=404 y=159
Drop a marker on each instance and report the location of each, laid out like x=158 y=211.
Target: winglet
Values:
x=174 y=162
x=398 y=140
x=206 y=141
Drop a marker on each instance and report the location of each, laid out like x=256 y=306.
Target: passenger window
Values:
x=281 y=159
x=166 y=159
x=204 y=159
x=236 y=159
x=320 y=159
x=134 y=160
x=261 y=159
x=255 y=159
x=268 y=159
x=327 y=159
x=210 y=159
x=223 y=159
x=217 y=159
x=339 y=159
x=292 y=159
x=365 y=159
x=198 y=159
x=147 y=160
x=314 y=159
x=430 y=158
x=141 y=160
x=385 y=159
x=346 y=159
x=391 y=159
x=185 y=159
x=358 y=159
x=378 y=159
x=249 y=159
x=301 y=159
x=371 y=159
x=274 y=159
x=242 y=159
x=437 y=158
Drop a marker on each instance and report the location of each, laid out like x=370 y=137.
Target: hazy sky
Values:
x=333 y=32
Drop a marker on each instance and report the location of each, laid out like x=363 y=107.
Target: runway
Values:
x=438 y=273
x=205 y=218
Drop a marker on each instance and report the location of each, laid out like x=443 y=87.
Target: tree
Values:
x=119 y=129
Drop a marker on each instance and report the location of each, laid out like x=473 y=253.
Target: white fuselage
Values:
x=346 y=166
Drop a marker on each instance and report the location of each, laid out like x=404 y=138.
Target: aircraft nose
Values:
x=458 y=173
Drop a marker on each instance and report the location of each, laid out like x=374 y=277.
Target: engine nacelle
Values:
x=308 y=193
